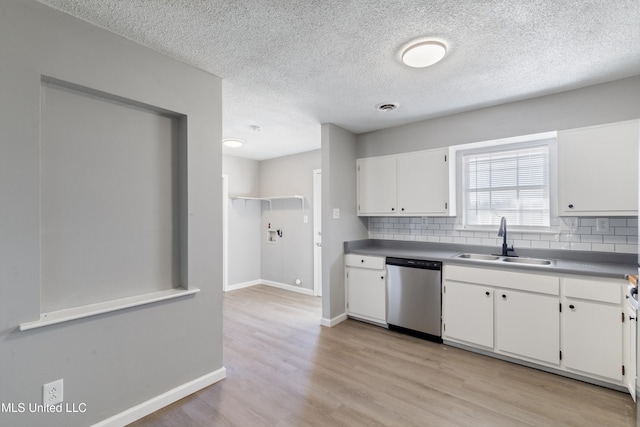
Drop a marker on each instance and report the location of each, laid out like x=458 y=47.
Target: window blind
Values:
x=513 y=183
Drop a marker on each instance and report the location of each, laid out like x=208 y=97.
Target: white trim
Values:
x=330 y=323
x=317 y=232
x=288 y=287
x=225 y=232
x=248 y=284
x=69 y=314
x=150 y=406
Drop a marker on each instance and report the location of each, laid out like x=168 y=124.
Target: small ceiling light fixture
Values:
x=424 y=54
x=387 y=106
x=233 y=142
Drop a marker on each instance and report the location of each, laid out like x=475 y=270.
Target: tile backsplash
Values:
x=622 y=236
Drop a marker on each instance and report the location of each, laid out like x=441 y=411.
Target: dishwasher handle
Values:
x=415 y=263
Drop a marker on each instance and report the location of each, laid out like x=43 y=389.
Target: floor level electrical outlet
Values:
x=52 y=393
x=602 y=225
x=425 y=220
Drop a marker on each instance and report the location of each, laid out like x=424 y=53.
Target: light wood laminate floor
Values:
x=284 y=369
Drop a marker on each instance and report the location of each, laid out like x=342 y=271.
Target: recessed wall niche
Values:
x=113 y=197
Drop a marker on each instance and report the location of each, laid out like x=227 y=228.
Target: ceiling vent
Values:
x=387 y=106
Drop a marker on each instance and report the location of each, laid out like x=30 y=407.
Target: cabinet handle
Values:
x=632 y=318
x=504 y=296
x=361 y=260
x=570 y=205
x=393 y=209
x=402 y=209
x=572 y=306
x=382 y=277
x=487 y=293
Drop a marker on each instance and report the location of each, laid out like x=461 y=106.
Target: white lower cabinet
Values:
x=570 y=324
x=630 y=351
x=587 y=329
x=366 y=288
x=469 y=313
x=528 y=325
x=592 y=327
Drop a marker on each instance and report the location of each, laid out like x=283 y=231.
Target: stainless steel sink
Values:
x=531 y=261
x=481 y=257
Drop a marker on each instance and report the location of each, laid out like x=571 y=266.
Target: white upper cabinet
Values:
x=598 y=170
x=416 y=184
x=423 y=183
x=377 y=185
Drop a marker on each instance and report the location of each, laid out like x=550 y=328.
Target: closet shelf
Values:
x=271 y=198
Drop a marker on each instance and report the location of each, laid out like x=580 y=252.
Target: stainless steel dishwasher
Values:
x=414 y=297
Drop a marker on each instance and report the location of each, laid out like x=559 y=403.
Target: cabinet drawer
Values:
x=593 y=289
x=364 y=261
x=504 y=279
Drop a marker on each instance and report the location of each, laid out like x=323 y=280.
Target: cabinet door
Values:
x=366 y=294
x=592 y=338
x=468 y=313
x=630 y=350
x=528 y=325
x=597 y=170
x=376 y=185
x=423 y=183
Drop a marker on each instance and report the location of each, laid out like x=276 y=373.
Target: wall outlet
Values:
x=425 y=220
x=602 y=224
x=569 y=224
x=336 y=213
x=52 y=393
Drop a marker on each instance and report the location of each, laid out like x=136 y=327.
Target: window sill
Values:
x=75 y=313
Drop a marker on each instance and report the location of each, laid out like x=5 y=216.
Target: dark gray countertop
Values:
x=601 y=264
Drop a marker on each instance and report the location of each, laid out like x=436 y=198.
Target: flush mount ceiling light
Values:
x=233 y=142
x=424 y=54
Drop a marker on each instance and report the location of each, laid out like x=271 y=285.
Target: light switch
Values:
x=336 y=213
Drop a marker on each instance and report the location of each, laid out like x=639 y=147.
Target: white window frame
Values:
x=506 y=144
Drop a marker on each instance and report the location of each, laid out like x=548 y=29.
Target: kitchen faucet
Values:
x=502 y=232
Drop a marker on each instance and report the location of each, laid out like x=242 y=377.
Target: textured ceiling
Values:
x=289 y=66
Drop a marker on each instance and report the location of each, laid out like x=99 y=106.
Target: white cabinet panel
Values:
x=415 y=184
x=588 y=328
x=377 y=185
x=630 y=350
x=598 y=170
x=528 y=325
x=366 y=288
x=423 y=183
x=468 y=313
x=364 y=261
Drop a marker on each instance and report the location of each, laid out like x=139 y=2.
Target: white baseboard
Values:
x=288 y=287
x=236 y=286
x=145 y=408
x=330 y=323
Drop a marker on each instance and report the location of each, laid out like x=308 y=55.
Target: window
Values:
x=508 y=180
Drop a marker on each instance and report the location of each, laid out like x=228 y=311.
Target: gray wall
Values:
x=338 y=191
x=114 y=361
x=292 y=256
x=243 y=219
x=604 y=103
